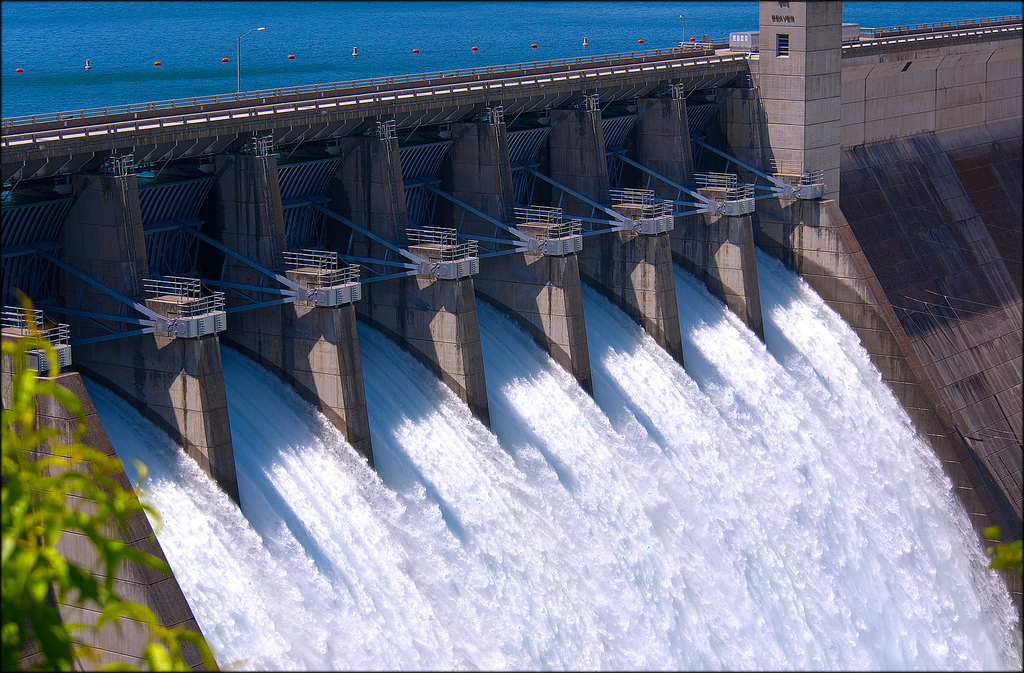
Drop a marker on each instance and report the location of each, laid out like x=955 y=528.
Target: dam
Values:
x=310 y=231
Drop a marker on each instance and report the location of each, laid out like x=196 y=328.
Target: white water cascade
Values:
x=765 y=508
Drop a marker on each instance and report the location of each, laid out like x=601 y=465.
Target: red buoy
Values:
x=415 y=51
x=473 y=49
x=639 y=41
x=19 y=70
x=224 y=60
x=533 y=46
x=291 y=57
x=693 y=39
x=156 y=62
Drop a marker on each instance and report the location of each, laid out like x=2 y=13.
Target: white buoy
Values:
x=87 y=65
x=584 y=42
x=354 y=51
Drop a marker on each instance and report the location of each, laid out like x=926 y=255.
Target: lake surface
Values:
x=51 y=41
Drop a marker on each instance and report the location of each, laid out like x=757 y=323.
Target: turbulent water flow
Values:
x=765 y=508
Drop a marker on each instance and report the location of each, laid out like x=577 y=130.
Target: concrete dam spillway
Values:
x=695 y=358
x=627 y=531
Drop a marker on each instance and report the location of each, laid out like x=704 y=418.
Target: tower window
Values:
x=782 y=44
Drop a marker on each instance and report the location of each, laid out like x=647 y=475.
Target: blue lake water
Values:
x=51 y=41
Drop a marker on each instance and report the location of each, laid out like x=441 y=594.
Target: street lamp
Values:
x=683 y=17
x=238 y=58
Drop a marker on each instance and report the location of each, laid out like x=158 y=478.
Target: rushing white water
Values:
x=765 y=508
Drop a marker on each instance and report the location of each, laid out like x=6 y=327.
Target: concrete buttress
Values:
x=313 y=348
x=633 y=270
x=177 y=384
x=434 y=319
x=728 y=264
x=541 y=292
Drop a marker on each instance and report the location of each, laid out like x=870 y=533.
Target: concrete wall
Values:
x=160 y=593
x=956 y=292
x=102 y=238
x=728 y=266
x=897 y=95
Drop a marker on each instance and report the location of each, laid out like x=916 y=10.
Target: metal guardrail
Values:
x=889 y=31
x=550 y=216
x=793 y=174
x=185 y=294
x=650 y=205
x=542 y=214
x=184 y=116
x=716 y=180
x=725 y=181
x=324 y=264
x=375 y=82
x=14 y=319
x=446 y=240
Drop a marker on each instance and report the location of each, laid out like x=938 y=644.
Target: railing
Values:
x=572 y=227
x=649 y=204
x=542 y=214
x=793 y=174
x=937 y=26
x=185 y=294
x=14 y=320
x=446 y=240
x=727 y=182
x=325 y=266
x=716 y=180
x=178 y=103
x=550 y=216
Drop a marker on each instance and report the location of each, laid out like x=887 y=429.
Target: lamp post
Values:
x=238 y=59
x=683 y=17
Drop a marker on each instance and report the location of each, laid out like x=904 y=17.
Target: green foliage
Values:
x=37 y=512
x=1007 y=555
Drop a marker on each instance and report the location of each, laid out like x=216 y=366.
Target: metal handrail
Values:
x=177 y=286
x=792 y=174
x=542 y=214
x=446 y=240
x=325 y=267
x=573 y=227
x=716 y=180
x=14 y=319
x=932 y=25
x=322 y=88
x=645 y=199
x=634 y=197
x=185 y=294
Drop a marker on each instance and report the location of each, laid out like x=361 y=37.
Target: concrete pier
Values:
x=727 y=263
x=633 y=270
x=541 y=292
x=433 y=319
x=315 y=349
x=175 y=382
